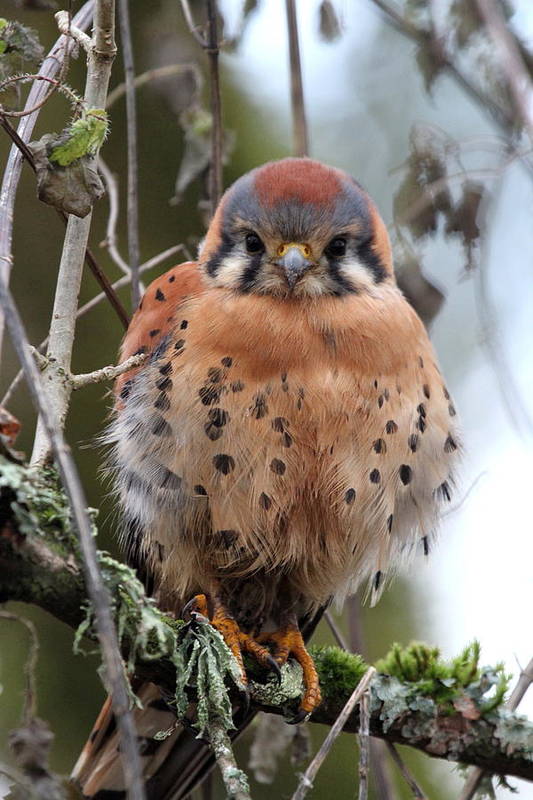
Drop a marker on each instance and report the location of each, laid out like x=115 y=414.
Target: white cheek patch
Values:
x=231 y=270
x=356 y=273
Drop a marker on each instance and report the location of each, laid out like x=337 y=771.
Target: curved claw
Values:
x=301 y=716
x=275 y=667
x=196 y=605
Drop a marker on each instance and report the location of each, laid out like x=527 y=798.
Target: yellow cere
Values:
x=304 y=248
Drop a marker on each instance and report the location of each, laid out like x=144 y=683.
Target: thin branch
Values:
x=133 y=171
x=110 y=241
x=524 y=682
x=30 y=695
x=115 y=677
x=194 y=29
x=212 y=51
x=336 y=631
x=299 y=122
x=50 y=66
x=107 y=373
x=92 y=303
x=306 y=781
x=413 y=785
x=378 y=756
x=364 y=743
x=148 y=76
x=511 y=62
x=476 y=775
x=63 y=323
x=210 y=45
x=27 y=111
x=235 y=780
x=65 y=26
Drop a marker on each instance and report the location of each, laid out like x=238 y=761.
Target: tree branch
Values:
x=511 y=61
x=37 y=566
x=133 y=177
x=300 y=146
x=63 y=323
x=210 y=45
x=50 y=66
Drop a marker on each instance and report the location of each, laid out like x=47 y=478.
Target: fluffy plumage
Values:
x=290 y=435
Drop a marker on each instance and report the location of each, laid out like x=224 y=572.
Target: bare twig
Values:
x=110 y=241
x=476 y=774
x=355 y=628
x=299 y=122
x=212 y=51
x=413 y=785
x=30 y=695
x=235 y=780
x=364 y=743
x=26 y=112
x=306 y=781
x=50 y=66
x=210 y=45
x=115 y=677
x=511 y=62
x=524 y=682
x=150 y=75
x=65 y=27
x=195 y=30
x=107 y=373
x=378 y=756
x=62 y=326
x=133 y=176
x=336 y=631
x=92 y=303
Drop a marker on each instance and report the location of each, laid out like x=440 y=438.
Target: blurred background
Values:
x=370 y=113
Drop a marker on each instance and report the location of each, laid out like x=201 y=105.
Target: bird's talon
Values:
x=275 y=667
x=197 y=605
x=301 y=716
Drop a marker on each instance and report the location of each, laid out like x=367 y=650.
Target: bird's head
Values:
x=297 y=228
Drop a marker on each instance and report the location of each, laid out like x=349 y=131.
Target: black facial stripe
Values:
x=342 y=284
x=371 y=260
x=216 y=259
x=250 y=273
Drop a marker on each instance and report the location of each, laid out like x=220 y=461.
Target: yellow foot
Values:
x=237 y=641
x=289 y=642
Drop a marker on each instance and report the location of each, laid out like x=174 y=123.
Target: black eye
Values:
x=254 y=243
x=337 y=247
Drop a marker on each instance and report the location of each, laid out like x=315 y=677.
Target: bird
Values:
x=289 y=437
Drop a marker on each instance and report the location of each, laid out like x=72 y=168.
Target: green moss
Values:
x=421 y=666
x=39 y=504
x=339 y=671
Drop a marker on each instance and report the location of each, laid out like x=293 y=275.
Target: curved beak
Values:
x=294 y=263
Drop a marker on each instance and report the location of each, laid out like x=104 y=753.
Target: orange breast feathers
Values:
x=155 y=317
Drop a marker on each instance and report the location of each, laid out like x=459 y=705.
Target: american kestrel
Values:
x=290 y=435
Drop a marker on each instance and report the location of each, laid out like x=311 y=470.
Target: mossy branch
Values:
x=448 y=710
